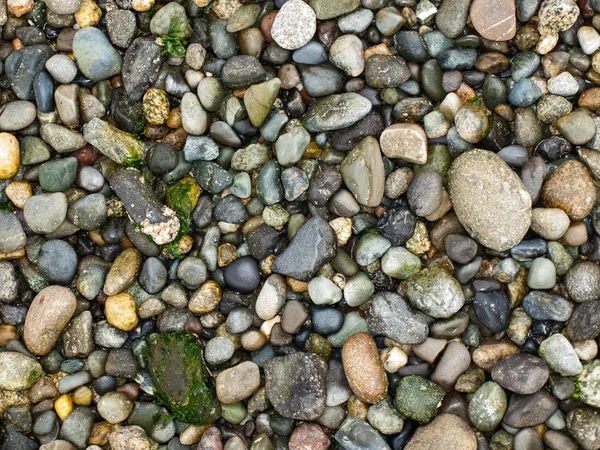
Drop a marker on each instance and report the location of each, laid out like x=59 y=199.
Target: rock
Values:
x=425 y=193
x=418 y=398
x=9 y=156
x=541 y=305
x=451 y=17
x=19 y=371
x=570 y=188
x=346 y=53
x=356 y=434
x=259 y=98
x=530 y=410
x=336 y=112
x=295 y=385
x=120 y=310
x=445 y=431
x=294 y=26
x=63 y=6
x=114 y=407
x=123 y=272
x=557 y=15
x=364 y=369
x=238 y=383
x=112 y=142
x=61 y=139
x=496 y=23
x=194 y=118
x=389 y=315
x=583 y=281
x=549 y=223
x=384 y=71
x=12 y=236
x=363 y=172
x=308 y=436
x=58 y=175
x=242 y=71
x=95 y=57
x=496 y=216
x=161 y=21
x=57 y=262
x=588 y=382
x=50 y=311
x=181 y=379
x=326 y=10
x=453 y=364
x=560 y=356
x=129 y=438
x=406 y=141
x=434 y=292
x=493 y=310
x=487 y=406
x=155 y=219
x=242 y=275
x=313 y=245
x=141 y=64
x=23 y=65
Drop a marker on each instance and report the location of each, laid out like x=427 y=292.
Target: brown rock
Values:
x=308 y=436
x=447 y=431
x=494 y=19
x=49 y=313
x=590 y=99
x=490 y=352
x=364 y=369
x=571 y=189
x=9 y=156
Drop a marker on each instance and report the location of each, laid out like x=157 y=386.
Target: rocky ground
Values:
x=289 y=224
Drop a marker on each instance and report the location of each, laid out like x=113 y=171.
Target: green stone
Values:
x=353 y=323
x=418 y=398
x=439 y=160
x=588 y=384
x=250 y=158
x=328 y=9
x=58 y=175
x=234 y=413
x=487 y=406
x=118 y=145
x=259 y=99
x=400 y=263
x=182 y=382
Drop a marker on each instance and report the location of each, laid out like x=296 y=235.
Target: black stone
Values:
x=23 y=65
x=552 y=148
x=242 y=71
x=348 y=138
x=397 y=225
x=230 y=209
x=262 y=242
x=493 y=310
x=242 y=275
x=43 y=88
x=141 y=64
x=585 y=322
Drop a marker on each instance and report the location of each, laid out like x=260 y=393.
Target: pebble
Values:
x=406 y=141
x=364 y=369
x=363 y=172
x=336 y=112
x=569 y=187
x=434 y=292
x=237 y=383
x=560 y=356
x=490 y=224
x=9 y=156
x=88 y=45
x=51 y=310
x=497 y=23
x=294 y=26
x=487 y=406
x=418 y=398
x=20 y=371
x=521 y=373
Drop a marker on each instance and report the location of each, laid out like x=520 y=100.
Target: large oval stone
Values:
x=363 y=172
x=49 y=313
x=489 y=199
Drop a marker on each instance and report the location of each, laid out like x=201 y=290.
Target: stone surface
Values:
x=489 y=199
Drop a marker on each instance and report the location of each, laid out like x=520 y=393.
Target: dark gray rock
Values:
x=389 y=315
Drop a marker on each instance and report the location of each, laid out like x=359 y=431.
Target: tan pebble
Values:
x=121 y=312
x=9 y=156
x=206 y=298
x=18 y=192
x=82 y=396
x=63 y=406
x=142 y=5
x=19 y=7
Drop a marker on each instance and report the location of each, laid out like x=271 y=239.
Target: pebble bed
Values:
x=299 y=225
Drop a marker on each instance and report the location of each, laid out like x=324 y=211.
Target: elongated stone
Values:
x=112 y=142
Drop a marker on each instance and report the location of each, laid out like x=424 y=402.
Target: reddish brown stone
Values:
x=85 y=155
x=494 y=19
x=308 y=436
x=265 y=26
x=364 y=369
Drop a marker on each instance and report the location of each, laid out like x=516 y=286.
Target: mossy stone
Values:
x=418 y=398
x=182 y=382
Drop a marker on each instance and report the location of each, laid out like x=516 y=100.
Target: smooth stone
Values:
x=418 y=398
x=451 y=17
x=406 y=141
x=570 y=188
x=95 y=56
x=530 y=410
x=489 y=214
x=445 y=431
x=521 y=373
x=547 y=306
x=336 y=111
x=356 y=434
x=58 y=175
x=560 y=356
x=242 y=275
x=497 y=23
x=23 y=65
x=314 y=244
x=364 y=369
x=363 y=172
x=51 y=310
x=57 y=262
x=12 y=236
x=237 y=383
x=487 y=406
x=582 y=282
x=542 y=274
x=44 y=213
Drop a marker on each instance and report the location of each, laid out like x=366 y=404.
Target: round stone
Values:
x=121 y=311
x=583 y=282
x=294 y=26
x=57 y=262
x=9 y=156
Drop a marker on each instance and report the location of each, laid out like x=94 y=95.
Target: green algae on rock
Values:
x=181 y=380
